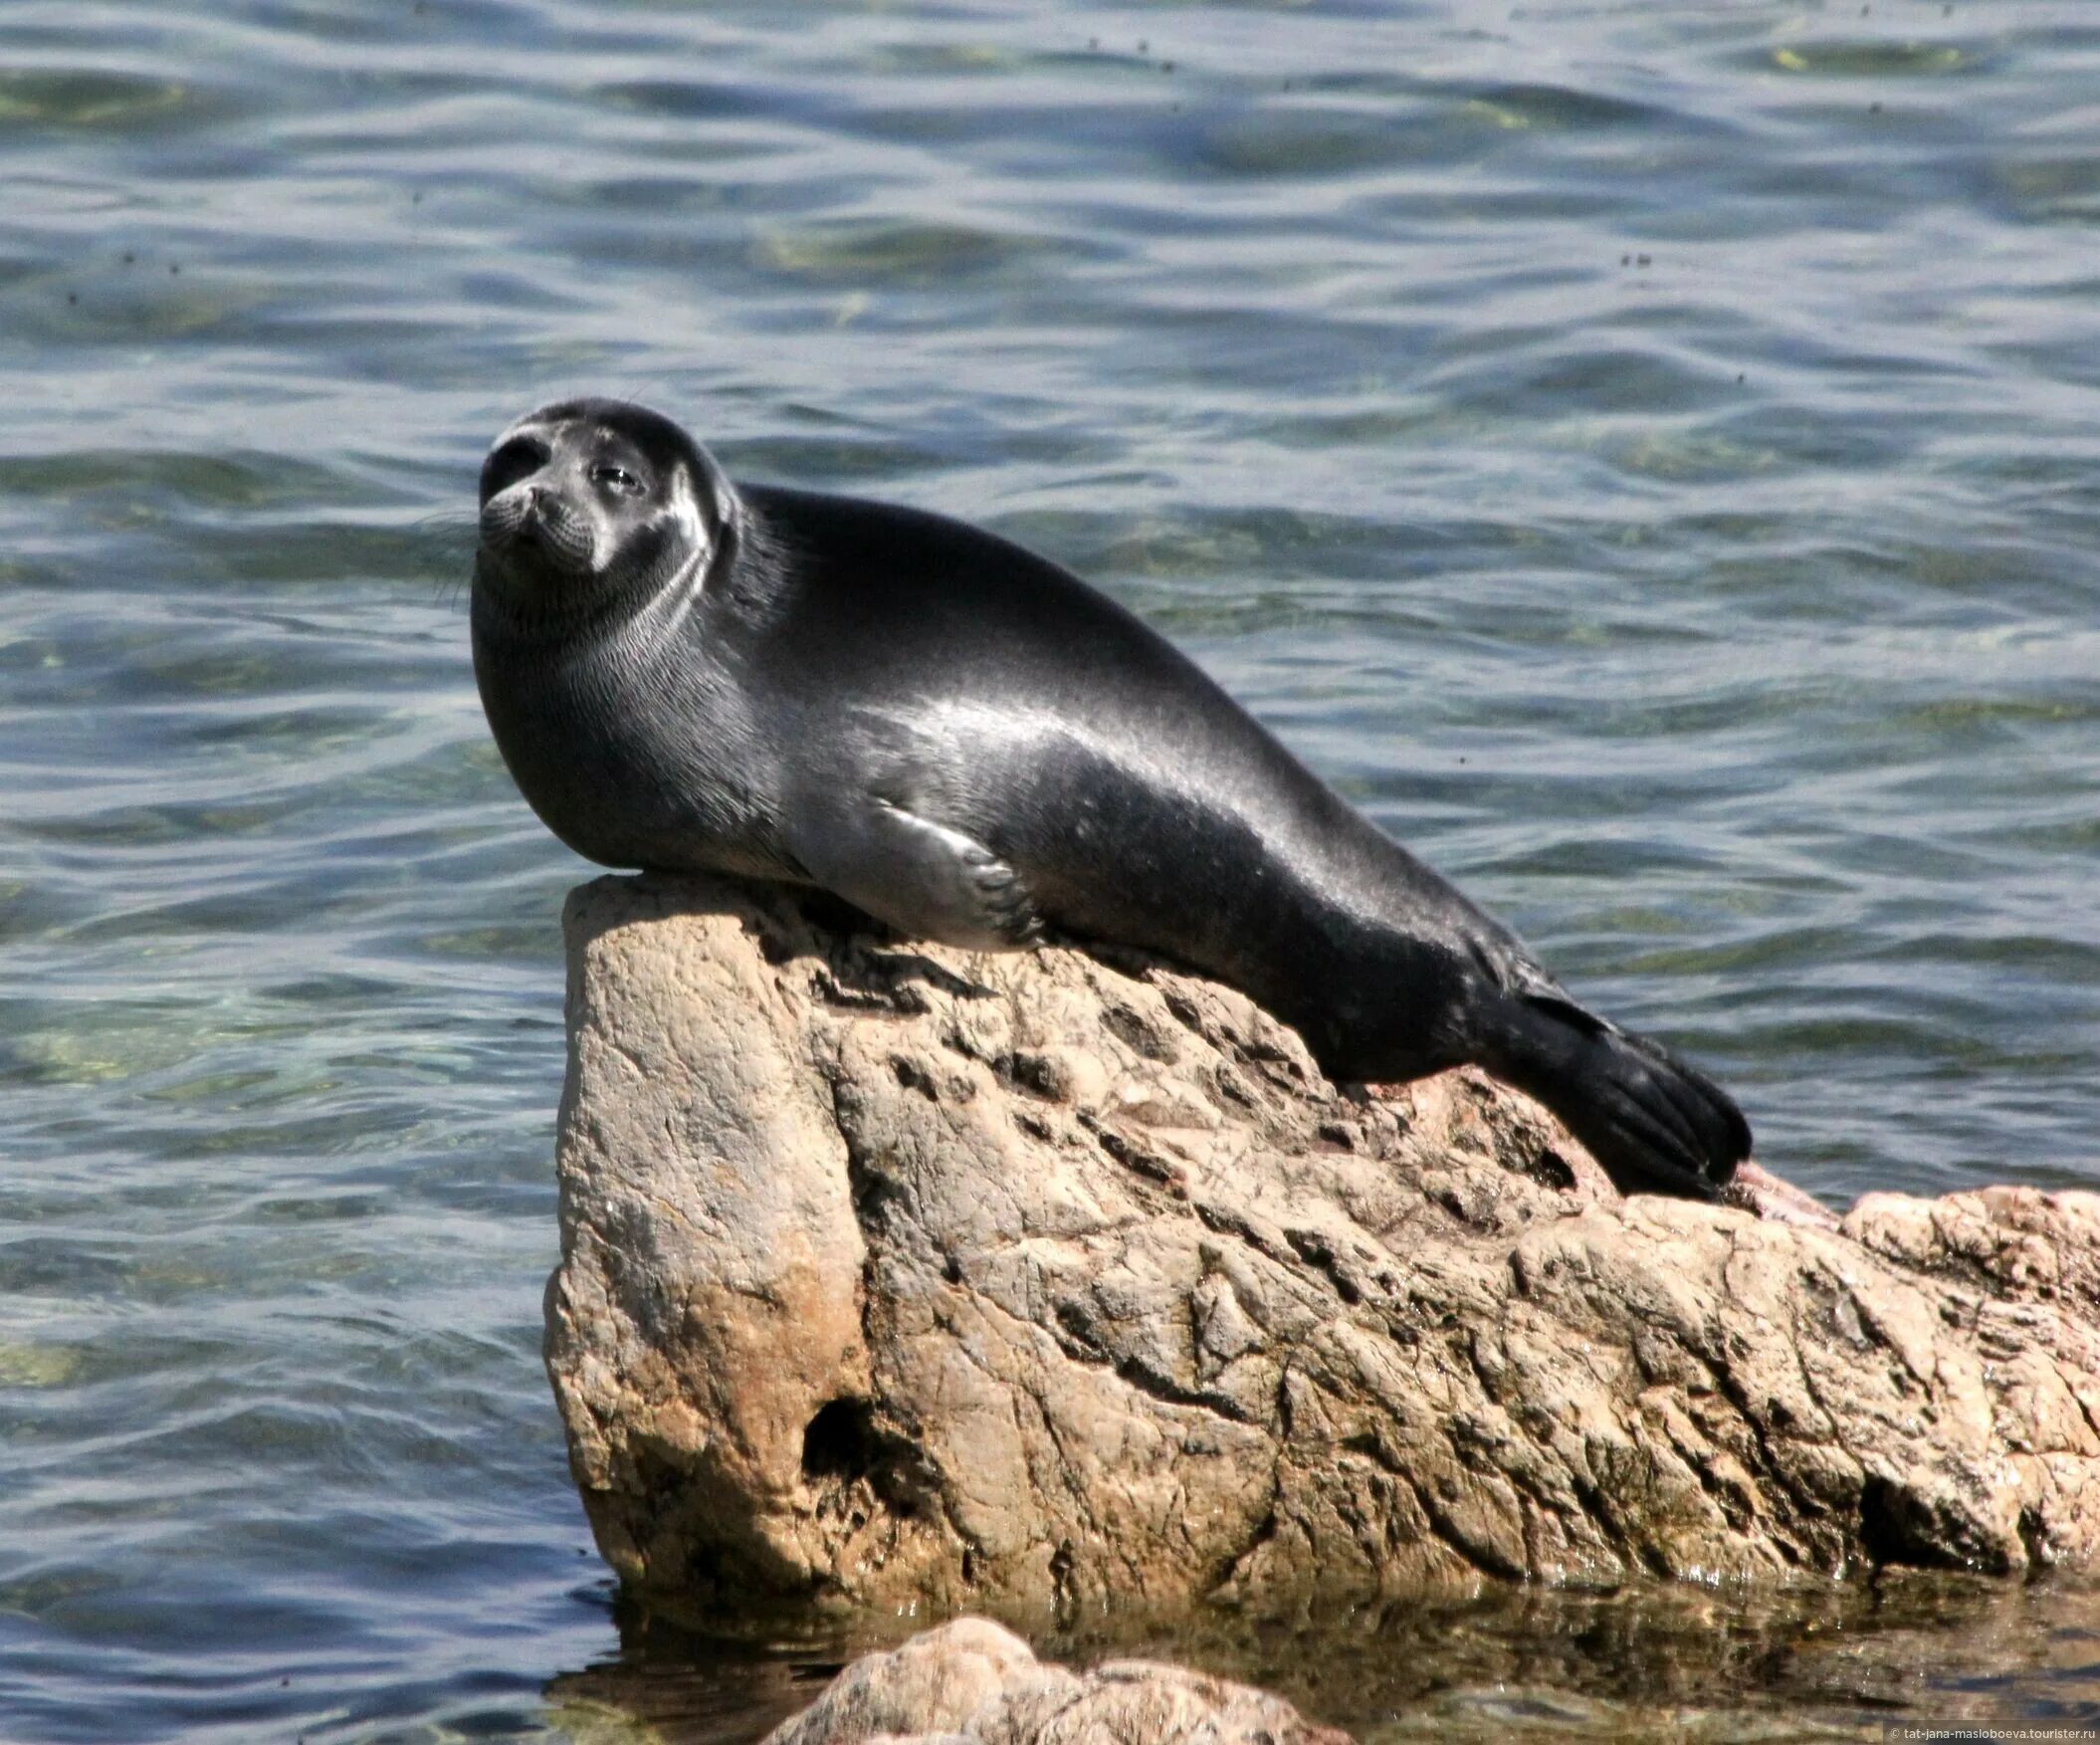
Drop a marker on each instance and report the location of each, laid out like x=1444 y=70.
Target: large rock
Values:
x=893 y=1274
x=971 y=1683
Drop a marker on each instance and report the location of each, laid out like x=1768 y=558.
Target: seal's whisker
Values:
x=445 y=541
x=452 y=518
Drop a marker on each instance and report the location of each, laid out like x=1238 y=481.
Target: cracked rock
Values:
x=893 y=1275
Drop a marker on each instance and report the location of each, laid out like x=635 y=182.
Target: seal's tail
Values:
x=1655 y=1124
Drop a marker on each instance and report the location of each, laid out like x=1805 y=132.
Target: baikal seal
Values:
x=971 y=745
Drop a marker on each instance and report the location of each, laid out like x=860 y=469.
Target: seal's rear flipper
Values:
x=1657 y=1125
x=922 y=877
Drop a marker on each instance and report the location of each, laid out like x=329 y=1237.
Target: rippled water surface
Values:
x=1647 y=454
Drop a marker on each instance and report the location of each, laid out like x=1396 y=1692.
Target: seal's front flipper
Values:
x=920 y=876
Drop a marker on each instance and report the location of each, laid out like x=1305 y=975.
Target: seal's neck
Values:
x=648 y=601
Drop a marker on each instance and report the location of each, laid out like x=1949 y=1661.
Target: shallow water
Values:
x=1645 y=455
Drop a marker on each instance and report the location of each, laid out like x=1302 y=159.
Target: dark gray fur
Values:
x=969 y=743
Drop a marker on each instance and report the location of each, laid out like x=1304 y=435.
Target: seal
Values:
x=971 y=745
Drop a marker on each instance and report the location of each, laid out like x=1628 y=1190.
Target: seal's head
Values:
x=596 y=507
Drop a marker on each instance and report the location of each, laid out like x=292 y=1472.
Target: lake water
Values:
x=1647 y=455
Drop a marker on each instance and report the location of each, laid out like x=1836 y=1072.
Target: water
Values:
x=1645 y=455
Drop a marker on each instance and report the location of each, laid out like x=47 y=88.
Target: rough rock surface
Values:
x=971 y=1683
x=893 y=1274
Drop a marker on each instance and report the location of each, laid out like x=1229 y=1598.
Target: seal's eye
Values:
x=520 y=458
x=618 y=480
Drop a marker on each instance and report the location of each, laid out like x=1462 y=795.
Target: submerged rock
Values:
x=972 y=1683
x=893 y=1274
